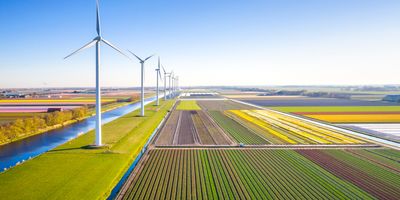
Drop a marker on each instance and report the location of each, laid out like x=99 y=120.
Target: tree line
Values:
x=27 y=126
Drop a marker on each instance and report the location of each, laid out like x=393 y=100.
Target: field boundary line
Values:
x=372 y=139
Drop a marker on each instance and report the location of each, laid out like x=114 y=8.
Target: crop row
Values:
x=235 y=174
x=291 y=130
x=372 y=172
x=191 y=127
x=222 y=105
x=240 y=133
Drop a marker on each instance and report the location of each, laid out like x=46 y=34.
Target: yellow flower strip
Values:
x=328 y=134
x=291 y=128
x=262 y=124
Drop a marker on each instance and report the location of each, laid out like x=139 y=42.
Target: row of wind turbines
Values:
x=172 y=79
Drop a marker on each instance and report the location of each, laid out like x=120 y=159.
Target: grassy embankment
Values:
x=188 y=105
x=73 y=171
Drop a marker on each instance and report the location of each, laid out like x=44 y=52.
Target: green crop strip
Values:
x=237 y=131
x=242 y=174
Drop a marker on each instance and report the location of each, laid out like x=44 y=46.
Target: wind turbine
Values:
x=97 y=41
x=165 y=83
x=158 y=75
x=171 y=74
x=142 y=61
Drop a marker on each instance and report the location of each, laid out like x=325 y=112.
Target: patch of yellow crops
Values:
x=357 y=118
x=293 y=128
x=263 y=125
x=312 y=131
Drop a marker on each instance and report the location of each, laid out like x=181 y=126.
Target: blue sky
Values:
x=207 y=42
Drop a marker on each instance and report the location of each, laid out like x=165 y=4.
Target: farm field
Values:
x=340 y=109
x=223 y=105
x=188 y=105
x=10 y=117
x=291 y=101
x=272 y=164
x=263 y=174
x=386 y=131
x=68 y=171
x=193 y=127
x=347 y=114
x=375 y=171
x=356 y=117
x=289 y=130
x=240 y=133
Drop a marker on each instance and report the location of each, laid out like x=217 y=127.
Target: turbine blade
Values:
x=163 y=69
x=88 y=45
x=136 y=56
x=115 y=48
x=149 y=57
x=98 y=18
x=159 y=74
x=158 y=63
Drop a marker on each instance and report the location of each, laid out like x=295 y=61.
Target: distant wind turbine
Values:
x=158 y=76
x=171 y=75
x=142 y=61
x=165 y=83
x=97 y=41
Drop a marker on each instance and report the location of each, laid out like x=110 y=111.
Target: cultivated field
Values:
x=308 y=101
x=223 y=105
x=264 y=174
x=188 y=105
x=191 y=128
x=279 y=157
x=279 y=128
x=386 y=131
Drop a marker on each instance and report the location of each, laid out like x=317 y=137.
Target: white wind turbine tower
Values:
x=165 y=82
x=97 y=41
x=173 y=85
x=158 y=75
x=176 y=83
x=142 y=61
x=171 y=74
